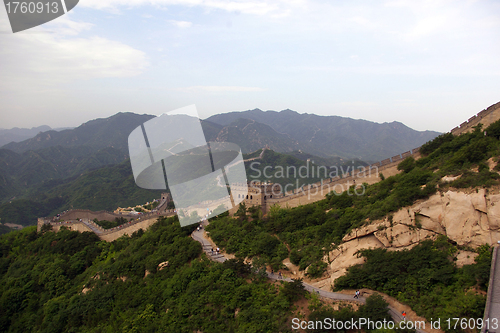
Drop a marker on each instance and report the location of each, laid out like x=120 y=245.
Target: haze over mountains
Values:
x=88 y=167
x=98 y=133
x=20 y=134
x=288 y=130
x=284 y=131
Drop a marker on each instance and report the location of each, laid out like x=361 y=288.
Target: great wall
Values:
x=82 y=220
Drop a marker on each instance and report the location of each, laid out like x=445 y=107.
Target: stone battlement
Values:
x=486 y=117
x=83 y=224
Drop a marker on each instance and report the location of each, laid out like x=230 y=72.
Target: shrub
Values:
x=437 y=142
x=316 y=269
x=407 y=165
x=494 y=130
x=376 y=308
x=295 y=257
x=294 y=290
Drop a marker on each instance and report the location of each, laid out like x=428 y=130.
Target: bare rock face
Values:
x=402 y=236
x=364 y=231
x=493 y=209
x=479 y=201
x=345 y=255
x=163 y=265
x=468 y=219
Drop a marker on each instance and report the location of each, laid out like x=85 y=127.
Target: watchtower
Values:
x=257 y=195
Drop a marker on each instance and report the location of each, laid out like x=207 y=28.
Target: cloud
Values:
x=181 y=24
x=361 y=21
x=66 y=27
x=53 y=54
x=217 y=89
x=428 y=25
x=256 y=7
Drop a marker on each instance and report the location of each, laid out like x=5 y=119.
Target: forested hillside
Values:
x=96 y=134
x=154 y=281
x=24 y=175
x=322 y=135
x=76 y=184
x=73 y=282
x=294 y=168
x=20 y=134
x=103 y=189
x=307 y=233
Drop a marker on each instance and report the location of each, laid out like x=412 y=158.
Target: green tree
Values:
x=294 y=290
x=242 y=211
x=407 y=164
x=376 y=308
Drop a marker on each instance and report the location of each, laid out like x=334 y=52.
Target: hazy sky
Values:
x=428 y=64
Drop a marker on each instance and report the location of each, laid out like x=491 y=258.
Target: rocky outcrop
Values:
x=163 y=265
x=469 y=219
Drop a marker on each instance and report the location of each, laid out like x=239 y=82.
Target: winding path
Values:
x=199 y=236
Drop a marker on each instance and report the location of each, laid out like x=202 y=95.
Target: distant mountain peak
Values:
x=97 y=133
x=289 y=130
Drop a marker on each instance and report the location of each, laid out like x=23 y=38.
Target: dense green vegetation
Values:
x=152 y=205
x=26 y=174
x=426 y=278
x=26 y=212
x=376 y=308
x=72 y=282
x=4 y=229
x=42 y=277
x=102 y=189
x=306 y=233
x=111 y=224
x=295 y=169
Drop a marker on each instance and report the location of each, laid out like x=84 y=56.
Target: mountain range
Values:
x=20 y=134
x=284 y=131
x=288 y=131
x=88 y=166
x=97 y=134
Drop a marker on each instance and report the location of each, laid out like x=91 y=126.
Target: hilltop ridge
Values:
x=334 y=135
